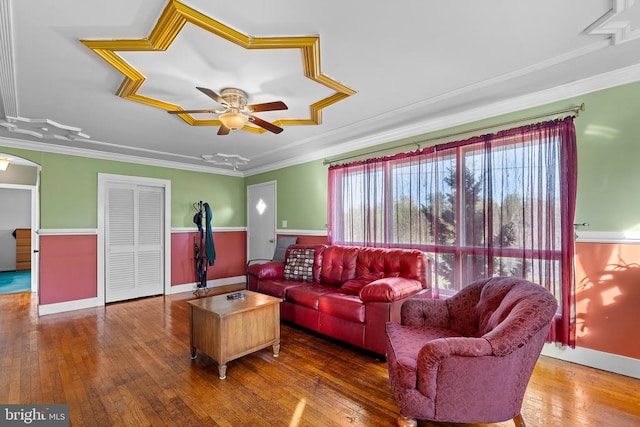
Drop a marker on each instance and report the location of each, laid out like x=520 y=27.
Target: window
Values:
x=495 y=205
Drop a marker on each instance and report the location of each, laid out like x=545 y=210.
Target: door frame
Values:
x=103 y=180
x=35 y=227
x=275 y=210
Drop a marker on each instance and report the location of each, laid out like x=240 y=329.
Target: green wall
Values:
x=301 y=193
x=69 y=186
x=608 y=134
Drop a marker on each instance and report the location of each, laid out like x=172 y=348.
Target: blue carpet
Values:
x=15 y=281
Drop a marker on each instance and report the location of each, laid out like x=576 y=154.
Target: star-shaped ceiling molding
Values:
x=169 y=25
x=220 y=159
x=43 y=128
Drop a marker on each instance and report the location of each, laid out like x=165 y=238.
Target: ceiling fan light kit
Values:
x=233 y=120
x=236 y=112
x=235 y=102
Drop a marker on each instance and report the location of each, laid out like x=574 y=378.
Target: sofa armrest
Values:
x=390 y=289
x=429 y=312
x=267 y=270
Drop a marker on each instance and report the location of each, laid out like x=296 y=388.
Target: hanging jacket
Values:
x=210 y=248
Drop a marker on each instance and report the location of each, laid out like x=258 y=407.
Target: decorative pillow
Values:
x=353 y=286
x=299 y=265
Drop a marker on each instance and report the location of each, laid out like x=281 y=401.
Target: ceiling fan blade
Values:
x=211 y=94
x=264 y=124
x=223 y=130
x=268 y=106
x=192 y=111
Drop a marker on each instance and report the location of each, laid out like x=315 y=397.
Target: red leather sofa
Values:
x=348 y=293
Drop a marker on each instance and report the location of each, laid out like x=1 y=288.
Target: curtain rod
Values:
x=575 y=110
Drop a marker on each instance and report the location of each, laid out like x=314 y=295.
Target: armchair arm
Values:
x=425 y=312
x=435 y=352
x=267 y=270
x=390 y=289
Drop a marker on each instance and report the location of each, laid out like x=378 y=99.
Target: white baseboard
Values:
x=59 y=307
x=190 y=287
x=595 y=359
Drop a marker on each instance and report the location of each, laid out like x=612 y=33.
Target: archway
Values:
x=19 y=190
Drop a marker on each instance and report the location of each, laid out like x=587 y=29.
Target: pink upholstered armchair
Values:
x=468 y=359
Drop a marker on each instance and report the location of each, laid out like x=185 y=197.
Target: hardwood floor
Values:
x=129 y=364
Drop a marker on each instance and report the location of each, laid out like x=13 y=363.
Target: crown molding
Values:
x=603 y=81
x=103 y=155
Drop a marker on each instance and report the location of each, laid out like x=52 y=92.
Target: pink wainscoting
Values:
x=68 y=268
x=608 y=297
x=231 y=256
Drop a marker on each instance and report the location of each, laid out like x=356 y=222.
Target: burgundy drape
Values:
x=498 y=204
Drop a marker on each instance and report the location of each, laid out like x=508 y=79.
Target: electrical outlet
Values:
x=284 y=223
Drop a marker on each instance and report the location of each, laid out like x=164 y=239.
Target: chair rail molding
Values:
x=629 y=237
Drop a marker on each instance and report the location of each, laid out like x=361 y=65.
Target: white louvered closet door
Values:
x=134 y=241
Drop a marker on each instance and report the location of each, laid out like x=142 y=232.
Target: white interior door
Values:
x=261 y=220
x=134 y=233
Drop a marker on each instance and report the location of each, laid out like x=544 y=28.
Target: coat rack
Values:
x=203 y=247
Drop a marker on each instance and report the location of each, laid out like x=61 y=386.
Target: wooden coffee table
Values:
x=226 y=329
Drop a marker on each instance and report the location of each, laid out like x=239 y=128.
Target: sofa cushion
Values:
x=339 y=264
x=299 y=265
x=408 y=263
x=277 y=288
x=354 y=286
x=308 y=295
x=348 y=307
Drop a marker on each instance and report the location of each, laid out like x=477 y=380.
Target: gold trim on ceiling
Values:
x=169 y=25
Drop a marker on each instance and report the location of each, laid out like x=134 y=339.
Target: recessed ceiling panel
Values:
x=198 y=58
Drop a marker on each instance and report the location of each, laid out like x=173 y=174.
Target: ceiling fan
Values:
x=236 y=112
